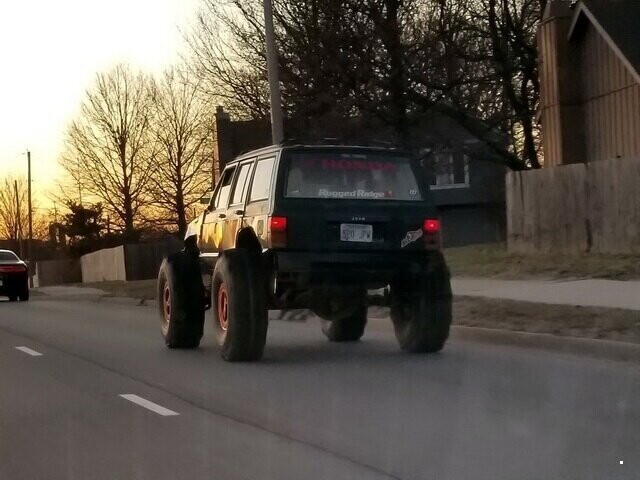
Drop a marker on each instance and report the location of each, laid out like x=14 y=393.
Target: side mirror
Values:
x=206 y=199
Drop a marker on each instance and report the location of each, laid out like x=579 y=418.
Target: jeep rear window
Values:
x=348 y=176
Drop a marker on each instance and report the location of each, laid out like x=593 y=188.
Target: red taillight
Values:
x=278 y=224
x=431 y=226
x=12 y=269
x=431 y=229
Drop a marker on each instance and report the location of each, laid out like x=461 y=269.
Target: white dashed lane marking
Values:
x=154 y=407
x=29 y=351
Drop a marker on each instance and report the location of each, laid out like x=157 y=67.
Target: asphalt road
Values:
x=310 y=410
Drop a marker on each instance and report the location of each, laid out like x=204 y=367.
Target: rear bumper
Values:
x=13 y=284
x=361 y=268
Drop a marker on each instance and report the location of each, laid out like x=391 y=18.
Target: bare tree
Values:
x=14 y=212
x=14 y=209
x=492 y=73
x=109 y=146
x=42 y=220
x=511 y=27
x=385 y=64
x=183 y=129
x=320 y=64
x=472 y=60
x=226 y=56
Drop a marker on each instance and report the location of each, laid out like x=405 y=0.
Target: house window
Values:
x=450 y=170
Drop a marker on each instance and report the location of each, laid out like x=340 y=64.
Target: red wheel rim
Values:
x=166 y=303
x=223 y=307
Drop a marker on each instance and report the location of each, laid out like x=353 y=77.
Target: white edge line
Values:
x=154 y=407
x=29 y=351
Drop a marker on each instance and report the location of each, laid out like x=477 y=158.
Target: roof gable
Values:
x=618 y=22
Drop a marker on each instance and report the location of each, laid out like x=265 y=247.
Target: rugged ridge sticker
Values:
x=360 y=193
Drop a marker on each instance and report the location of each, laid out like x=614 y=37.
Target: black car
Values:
x=14 y=279
x=315 y=227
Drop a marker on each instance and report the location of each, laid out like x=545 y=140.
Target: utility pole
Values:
x=29 y=252
x=275 y=99
x=18 y=220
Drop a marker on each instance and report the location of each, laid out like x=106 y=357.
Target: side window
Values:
x=222 y=196
x=261 y=180
x=449 y=170
x=240 y=187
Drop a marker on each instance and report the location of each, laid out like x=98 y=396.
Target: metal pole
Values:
x=18 y=220
x=30 y=217
x=277 y=130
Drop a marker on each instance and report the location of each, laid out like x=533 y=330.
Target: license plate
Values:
x=355 y=232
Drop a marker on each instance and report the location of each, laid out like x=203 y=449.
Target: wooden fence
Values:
x=585 y=207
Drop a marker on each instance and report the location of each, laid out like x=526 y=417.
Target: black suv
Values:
x=315 y=227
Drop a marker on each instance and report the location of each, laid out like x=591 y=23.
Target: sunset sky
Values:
x=50 y=53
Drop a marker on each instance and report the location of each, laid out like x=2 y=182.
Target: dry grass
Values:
x=142 y=289
x=584 y=322
x=492 y=260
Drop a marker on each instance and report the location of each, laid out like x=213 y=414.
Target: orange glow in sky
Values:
x=50 y=53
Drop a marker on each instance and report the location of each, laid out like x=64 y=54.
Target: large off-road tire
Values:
x=181 y=300
x=421 y=310
x=346 y=329
x=239 y=305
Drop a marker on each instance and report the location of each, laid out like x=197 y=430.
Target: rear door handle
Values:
x=239 y=212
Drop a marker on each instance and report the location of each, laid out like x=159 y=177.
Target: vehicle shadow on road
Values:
x=295 y=338
x=283 y=350
x=368 y=351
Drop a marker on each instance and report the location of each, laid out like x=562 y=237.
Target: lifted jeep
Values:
x=315 y=227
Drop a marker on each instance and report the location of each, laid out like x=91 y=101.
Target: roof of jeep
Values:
x=328 y=146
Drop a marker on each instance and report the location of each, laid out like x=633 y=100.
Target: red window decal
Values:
x=363 y=165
